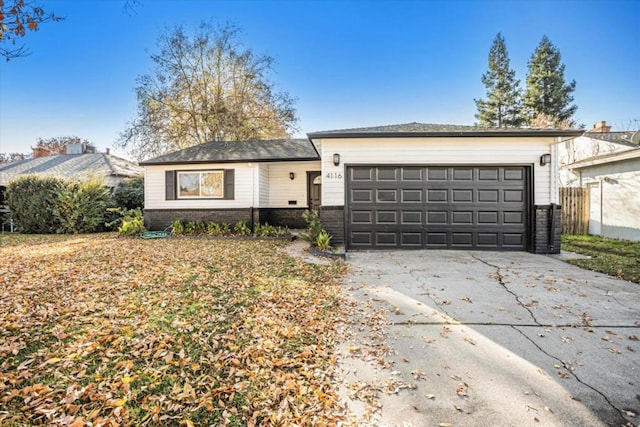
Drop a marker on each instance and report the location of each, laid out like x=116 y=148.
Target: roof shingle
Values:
x=428 y=129
x=240 y=151
x=71 y=166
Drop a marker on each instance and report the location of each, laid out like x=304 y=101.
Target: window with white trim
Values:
x=201 y=184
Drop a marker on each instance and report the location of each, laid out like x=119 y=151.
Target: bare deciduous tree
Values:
x=206 y=86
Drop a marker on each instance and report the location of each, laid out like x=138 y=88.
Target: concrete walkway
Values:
x=458 y=338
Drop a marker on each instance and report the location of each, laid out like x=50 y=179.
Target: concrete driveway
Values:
x=471 y=338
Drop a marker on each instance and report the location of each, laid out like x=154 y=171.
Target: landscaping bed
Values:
x=618 y=258
x=104 y=330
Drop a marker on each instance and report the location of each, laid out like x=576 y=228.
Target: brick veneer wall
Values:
x=289 y=217
x=160 y=219
x=546 y=240
x=332 y=218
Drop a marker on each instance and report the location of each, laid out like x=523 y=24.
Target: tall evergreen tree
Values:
x=504 y=100
x=547 y=92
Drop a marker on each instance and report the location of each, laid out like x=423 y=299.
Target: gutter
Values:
x=461 y=134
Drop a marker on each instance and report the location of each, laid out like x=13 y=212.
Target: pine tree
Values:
x=504 y=100
x=547 y=92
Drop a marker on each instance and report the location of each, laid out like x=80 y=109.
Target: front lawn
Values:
x=619 y=258
x=102 y=330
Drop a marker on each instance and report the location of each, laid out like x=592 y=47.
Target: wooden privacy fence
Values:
x=575 y=210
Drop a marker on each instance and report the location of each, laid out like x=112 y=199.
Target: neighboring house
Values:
x=608 y=165
x=111 y=169
x=401 y=186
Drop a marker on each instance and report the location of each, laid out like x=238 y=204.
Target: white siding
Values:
x=620 y=192
x=485 y=150
x=246 y=187
x=263 y=184
x=282 y=189
x=267 y=183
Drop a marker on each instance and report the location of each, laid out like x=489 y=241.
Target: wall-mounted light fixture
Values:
x=292 y=175
x=545 y=159
x=336 y=159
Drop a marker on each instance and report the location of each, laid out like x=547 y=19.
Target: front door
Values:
x=314 y=183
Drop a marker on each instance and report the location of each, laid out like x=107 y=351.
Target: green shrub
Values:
x=314 y=226
x=81 y=206
x=225 y=228
x=194 y=228
x=242 y=228
x=177 y=227
x=323 y=240
x=213 y=228
x=132 y=223
x=31 y=200
x=129 y=194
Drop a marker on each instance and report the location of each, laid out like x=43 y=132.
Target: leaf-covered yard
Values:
x=101 y=330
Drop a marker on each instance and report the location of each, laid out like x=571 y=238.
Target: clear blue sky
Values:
x=348 y=63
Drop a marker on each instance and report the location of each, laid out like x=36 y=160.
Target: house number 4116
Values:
x=333 y=175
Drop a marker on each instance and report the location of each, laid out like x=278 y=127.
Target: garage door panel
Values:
x=488 y=196
x=513 y=196
x=387 y=174
x=361 y=174
x=488 y=239
x=386 y=238
x=462 y=195
x=437 y=207
x=462 y=217
x=437 y=174
x=409 y=239
x=488 y=174
x=513 y=217
x=462 y=174
x=437 y=217
x=488 y=217
x=411 y=195
x=411 y=217
x=515 y=240
x=361 y=217
x=513 y=174
x=386 y=217
x=412 y=174
x=459 y=239
x=436 y=239
x=386 y=196
x=361 y=238
x=437 y=196
x=358 y=196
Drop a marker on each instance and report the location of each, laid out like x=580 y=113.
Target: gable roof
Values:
x=434 y=130
x=272 y=150
x=71 y=166
x=623 y=138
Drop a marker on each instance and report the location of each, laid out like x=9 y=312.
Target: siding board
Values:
x=472 y=151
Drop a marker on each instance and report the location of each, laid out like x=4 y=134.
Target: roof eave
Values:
x=458 y=134
x=605 y=159
x=214 y=161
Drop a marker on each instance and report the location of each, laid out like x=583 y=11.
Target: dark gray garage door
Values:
x=447 y=207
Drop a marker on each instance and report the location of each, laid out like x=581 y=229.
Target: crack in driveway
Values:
x=500 y=277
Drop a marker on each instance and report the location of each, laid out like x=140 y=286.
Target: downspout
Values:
x=251 y=209
x=601 y=207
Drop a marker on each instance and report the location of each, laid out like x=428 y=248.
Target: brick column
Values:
x=332 y=218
